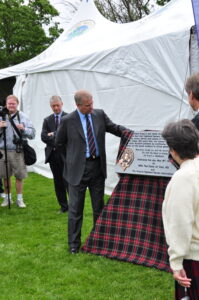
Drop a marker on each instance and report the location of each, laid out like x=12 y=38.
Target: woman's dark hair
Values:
x=183 y=137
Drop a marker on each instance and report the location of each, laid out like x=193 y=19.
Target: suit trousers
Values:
x=94 y=180
x=61 y=186
x=1 y=186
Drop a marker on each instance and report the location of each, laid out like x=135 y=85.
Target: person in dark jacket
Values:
x=82 y=132
x=192 y=89
x=53 y=156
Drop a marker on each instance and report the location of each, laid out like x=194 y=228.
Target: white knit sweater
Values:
x=180 y=213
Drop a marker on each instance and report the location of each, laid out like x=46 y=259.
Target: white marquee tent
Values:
x=135 y=71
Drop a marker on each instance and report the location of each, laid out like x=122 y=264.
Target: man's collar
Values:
x=13 y=113
x=81 y=114
x=58 y=114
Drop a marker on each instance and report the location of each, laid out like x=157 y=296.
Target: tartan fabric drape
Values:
x=130 y=226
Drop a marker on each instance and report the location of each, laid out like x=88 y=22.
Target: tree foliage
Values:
x=123 y=11
x=21 y=33
x=162 y=2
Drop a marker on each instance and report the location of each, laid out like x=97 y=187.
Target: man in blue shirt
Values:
x=82 y=133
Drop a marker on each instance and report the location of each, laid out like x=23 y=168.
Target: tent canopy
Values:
x=92 y=43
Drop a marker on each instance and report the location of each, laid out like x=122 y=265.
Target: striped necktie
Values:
x=90 y=137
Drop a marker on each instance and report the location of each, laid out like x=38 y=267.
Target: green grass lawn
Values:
x=35 y=262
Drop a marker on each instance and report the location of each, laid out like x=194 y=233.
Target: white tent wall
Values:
x=135 y=71
x=194 y=52
x=127 y=102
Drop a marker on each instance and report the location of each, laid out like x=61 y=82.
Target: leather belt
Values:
x=92 y=157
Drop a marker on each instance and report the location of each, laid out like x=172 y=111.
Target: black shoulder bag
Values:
x=30 y=156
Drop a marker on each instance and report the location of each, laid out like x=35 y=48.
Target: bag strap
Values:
x=14 y=125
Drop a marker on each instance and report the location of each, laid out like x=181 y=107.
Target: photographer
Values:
x=15 y=158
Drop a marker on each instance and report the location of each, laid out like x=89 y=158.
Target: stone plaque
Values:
x=146 y=154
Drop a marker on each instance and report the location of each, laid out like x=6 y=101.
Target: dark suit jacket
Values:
x=195 y=120
x=49 y=126
x=70 y=133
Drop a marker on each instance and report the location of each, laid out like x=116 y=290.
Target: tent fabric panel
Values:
x=160 y=63
x=125 y=101
x=105 y=36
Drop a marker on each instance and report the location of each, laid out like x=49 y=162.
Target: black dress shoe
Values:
x=74 y=250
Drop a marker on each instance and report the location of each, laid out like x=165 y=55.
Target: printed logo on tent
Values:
x=79 y=29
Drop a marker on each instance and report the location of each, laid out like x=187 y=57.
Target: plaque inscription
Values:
x=146 y=154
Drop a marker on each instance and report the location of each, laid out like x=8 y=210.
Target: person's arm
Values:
x=26 y=127
x=61 y=137
x=46 y=136
x=178 y=218
x=3 y=124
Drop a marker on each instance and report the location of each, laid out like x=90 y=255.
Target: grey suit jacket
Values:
x=49 y=126
x=70 y=133
x=195 y=121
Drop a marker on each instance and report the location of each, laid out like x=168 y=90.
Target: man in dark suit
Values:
x=192 y=89
x=53 y=157
x=82 y=132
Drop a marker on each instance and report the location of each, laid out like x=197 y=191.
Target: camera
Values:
x=17 y=142
x=3 y=112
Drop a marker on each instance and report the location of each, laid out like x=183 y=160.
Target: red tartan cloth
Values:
x=130 y=226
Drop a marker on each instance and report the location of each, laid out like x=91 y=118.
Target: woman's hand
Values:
x=181 y=277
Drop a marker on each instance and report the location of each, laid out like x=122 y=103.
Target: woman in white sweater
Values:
x=181 y=208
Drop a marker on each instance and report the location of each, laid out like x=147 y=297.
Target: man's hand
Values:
x=51 y=134
x=3 y=124
x=20 y=126
x=181 y=278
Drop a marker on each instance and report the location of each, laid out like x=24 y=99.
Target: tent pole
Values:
x=183 y=90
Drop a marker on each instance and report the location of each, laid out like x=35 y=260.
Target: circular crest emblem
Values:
x=79 y=29
x=126 y=158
